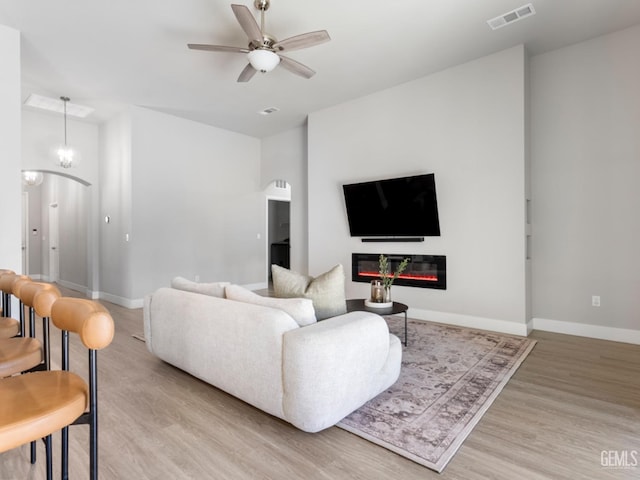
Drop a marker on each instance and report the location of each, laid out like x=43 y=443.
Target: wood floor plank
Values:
x=570 y=400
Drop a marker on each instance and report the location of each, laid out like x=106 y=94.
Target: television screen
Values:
x=397 y=207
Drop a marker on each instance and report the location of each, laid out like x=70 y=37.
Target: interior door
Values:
x=54 y=253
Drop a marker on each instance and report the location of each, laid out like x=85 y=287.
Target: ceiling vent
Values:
x=57 y=105
x=512 y=16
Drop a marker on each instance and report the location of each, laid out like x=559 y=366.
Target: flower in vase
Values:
x=386 y=277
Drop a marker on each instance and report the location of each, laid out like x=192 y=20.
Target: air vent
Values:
x=269 y=111
x=512 y=16
x=57 y=105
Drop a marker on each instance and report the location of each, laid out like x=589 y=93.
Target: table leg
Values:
x=405 y=328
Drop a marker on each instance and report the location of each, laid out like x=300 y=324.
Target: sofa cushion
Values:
x=327 y=291
x=300 y=309
x=215 y=289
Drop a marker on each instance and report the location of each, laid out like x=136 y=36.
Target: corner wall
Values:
x=10 y=151
x=467 y=125
x=585 y=170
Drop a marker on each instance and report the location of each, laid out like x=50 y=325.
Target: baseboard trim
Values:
x=470 y=321
x=73 y=286
x=123 y=302
x=624 y=335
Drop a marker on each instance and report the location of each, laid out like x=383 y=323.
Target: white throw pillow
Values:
x=215 y=289
x=300 y=309
x=326 y=291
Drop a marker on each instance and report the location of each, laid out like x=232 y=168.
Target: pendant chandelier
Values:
x=32 y=179
x=65 y=153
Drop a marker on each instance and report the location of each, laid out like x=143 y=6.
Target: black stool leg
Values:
x=49 y=453
x=93 y=414
x=32 y=334
x=65 y=431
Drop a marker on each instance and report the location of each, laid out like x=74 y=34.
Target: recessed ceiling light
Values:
x=57 y=105
x=269 y=111
x=512 y=16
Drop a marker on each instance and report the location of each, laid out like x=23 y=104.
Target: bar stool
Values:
x=2 y=272
x=22 y=354
x=27 y=354
x=10 y=327
x=27 y=292
x=35 y=405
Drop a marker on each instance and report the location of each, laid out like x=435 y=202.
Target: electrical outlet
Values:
x=595 y=301
x=197 y=278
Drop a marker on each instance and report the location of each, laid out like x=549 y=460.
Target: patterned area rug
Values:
x=450 y=376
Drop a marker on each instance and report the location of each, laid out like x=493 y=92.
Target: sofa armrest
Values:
x=235 y=346
x=333 y=367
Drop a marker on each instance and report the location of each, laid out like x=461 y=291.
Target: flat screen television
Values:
x=396 y=207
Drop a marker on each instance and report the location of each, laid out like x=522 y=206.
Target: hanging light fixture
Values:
x=32 y=178
x=65 y=153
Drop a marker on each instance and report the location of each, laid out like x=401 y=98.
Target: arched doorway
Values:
x=278 y=221
x=56 y=229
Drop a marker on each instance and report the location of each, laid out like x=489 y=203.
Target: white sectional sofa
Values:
x=311 y=376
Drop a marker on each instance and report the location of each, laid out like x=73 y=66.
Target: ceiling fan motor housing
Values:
x=267 y=43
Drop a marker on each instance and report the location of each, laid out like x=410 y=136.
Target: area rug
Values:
x=449 y=377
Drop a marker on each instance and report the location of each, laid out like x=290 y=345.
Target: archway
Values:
x=278 y=225
x=57 y=235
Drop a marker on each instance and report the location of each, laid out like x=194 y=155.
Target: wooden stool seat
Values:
x=19 y=355
x=36 y=404
x=9 y=327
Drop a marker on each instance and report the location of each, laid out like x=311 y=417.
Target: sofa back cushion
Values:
x=327 y=291
x=300 y=309
x=215 y=289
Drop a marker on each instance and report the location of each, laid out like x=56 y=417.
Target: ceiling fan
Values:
x=264 y=50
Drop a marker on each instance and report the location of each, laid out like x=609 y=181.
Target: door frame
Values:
x=54 y=237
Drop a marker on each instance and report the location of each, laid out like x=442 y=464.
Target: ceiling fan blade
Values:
x=303 y=40
x=216 y=48
x=296 y=67
x=248 y=23
x=247 y=73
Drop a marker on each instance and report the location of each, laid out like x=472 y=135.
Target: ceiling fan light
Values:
x=263 y=60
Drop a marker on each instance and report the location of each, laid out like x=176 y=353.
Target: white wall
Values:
x=284 y=156
x=10 y=193
x=197 y=203
x=115 y=276
x=585 y=170
x=465 y=124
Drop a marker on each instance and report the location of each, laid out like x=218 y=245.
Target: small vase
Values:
x=386 y=296
x=377 y=291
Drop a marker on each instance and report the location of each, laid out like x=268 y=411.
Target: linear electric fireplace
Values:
x=425 y=271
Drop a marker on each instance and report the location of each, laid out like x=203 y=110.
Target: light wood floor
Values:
x=570 y=400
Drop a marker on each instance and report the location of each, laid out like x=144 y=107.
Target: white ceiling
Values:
x=110 y=53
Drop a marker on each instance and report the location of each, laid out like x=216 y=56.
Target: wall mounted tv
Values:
x=396 y=207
